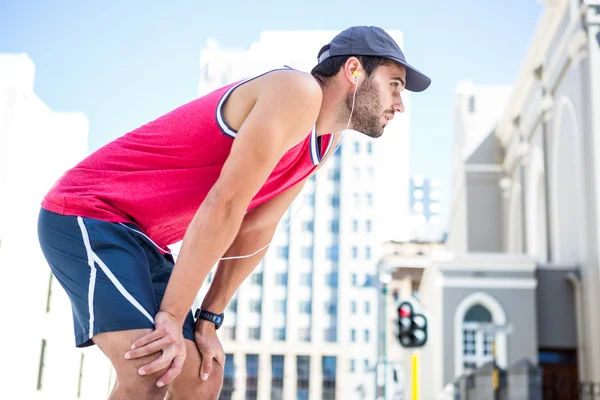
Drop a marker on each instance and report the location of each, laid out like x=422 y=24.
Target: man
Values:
x=219 y=173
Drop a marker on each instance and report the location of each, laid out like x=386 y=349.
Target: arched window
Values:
x=477 y=345
x=473 y=345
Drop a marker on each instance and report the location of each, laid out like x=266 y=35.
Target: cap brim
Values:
x=416 y=81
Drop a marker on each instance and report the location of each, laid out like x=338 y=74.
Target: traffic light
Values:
x=412 y=327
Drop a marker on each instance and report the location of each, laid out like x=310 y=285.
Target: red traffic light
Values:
x=405 y=311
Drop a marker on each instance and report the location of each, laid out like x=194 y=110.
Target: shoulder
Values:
x=297 y=86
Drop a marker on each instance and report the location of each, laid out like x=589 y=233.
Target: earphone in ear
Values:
x=355 y=73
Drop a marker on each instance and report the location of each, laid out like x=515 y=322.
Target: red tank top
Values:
x=157 y=175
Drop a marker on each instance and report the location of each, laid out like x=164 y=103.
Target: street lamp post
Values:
x=383 y=279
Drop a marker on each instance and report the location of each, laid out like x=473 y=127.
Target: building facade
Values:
x=522 y=269
x=425 y=209
x=36 y=146
x=304 y=324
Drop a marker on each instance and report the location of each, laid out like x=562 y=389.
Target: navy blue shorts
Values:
x=113 y=273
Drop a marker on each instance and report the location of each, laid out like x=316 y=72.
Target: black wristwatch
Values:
x=216 y=319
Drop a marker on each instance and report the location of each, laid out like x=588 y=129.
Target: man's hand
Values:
x=167 y=337
x=209 y=345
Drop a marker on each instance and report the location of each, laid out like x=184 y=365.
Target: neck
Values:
x=334 y=113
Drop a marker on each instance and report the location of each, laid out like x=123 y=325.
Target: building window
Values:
x=281 y=279
x=369 y=199
x=367 y=336
x=329 y=370
x=308 y=226
x=367 y=308
x=304 y=334
x=477 y=344
x=254 y=333
x=280 y=306
x=49 y=292
x=354 y=280
x=80 y=379
x=370 y=172
x=354 y=252
x=353 y=335
x=305 y=307
x=366 y=365
x=356 y=147
x=335 y=226
x=255 y=305
x=303 y=376
x=356 y=173
x=331 y=335
x=334 y=174
x=279 y=334
x=333 y=253
x=283 y=252
x=354 y=225
x=232 y=306
x=257 y=278
x=368 y=252
x=306 y=279
x=369 y=147
x=228 y=378
x=356 y=199
x=332 y=279
x=307 y=252
x=368 y=226
x=352 y=367
x=335 y=200
x=227 y=333
x=41 y=365
x=331 y=308
x=277 y=366
x=471 y=104
x=353 y=307
x=251 y=376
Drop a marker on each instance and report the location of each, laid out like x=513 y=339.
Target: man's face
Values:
x=377 y=99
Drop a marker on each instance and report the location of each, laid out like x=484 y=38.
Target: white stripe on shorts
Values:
x=94 y=259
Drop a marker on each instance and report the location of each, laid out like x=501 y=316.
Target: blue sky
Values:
x=125 y=63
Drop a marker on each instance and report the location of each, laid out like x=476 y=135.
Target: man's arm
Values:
x=282 y=116
x=284 y=111
x=257 y=231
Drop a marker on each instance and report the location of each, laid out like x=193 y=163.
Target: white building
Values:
x=36 y=146
x=306 y=320
x=425 y=209
x=524 y=224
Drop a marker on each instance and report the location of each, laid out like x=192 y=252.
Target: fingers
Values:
x=205 y=364
x=220 y=357
x=167 y=359
x=151 y=348
x=172 y=373
x=149 y=338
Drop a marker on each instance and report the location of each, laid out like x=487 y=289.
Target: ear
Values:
x=352 y=70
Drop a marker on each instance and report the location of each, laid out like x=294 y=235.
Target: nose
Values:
x=398 y=105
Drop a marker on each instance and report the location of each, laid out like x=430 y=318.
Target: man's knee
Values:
x=138 y=389
x=131 y=385
x=185 y=388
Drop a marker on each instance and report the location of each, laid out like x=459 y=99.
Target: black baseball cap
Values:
x=373 y=41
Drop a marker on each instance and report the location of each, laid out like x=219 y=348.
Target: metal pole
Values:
x=384 y=292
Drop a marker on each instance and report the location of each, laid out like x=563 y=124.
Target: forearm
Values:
x=208 y=236
x=231 y=273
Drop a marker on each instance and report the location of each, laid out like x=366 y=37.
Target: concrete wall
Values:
x=484 y=211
